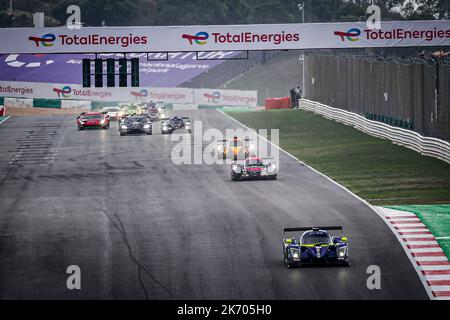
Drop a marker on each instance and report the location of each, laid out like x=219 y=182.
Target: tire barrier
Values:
x=427 y=146
x=277 y=103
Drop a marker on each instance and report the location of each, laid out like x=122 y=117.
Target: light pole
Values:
x=301 y=7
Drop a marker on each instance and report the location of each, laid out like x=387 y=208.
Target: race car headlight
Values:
x=102 y=121
x=146 y=126
x=295 y=253
x=234 y=167
x=342 y=251
x=124 y=127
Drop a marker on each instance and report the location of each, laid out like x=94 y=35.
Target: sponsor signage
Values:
x=219 y=97
x=225 y=97
x=225 y=37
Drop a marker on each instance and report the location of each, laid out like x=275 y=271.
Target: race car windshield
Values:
x=92 y=117
x=129 y=120
x=316 y=238
x=253 y=162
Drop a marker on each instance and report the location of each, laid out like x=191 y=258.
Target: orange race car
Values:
x=235 y=148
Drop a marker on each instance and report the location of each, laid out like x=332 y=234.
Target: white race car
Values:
x=114 y=113
x=253 y=168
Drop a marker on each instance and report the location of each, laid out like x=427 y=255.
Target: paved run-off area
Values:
x=140 y=226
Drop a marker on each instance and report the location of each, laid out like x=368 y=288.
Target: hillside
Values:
x=273 y=79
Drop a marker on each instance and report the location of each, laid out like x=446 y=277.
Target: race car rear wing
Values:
x=184 y=118
x=339 y=228
x=224 y=140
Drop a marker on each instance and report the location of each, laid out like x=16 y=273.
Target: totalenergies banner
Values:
x=224 y=37
x=141 y=94
x=225 y=97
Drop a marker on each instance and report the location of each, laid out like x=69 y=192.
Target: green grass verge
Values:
x=375 y=169
x=436 y=218
x=3 y=118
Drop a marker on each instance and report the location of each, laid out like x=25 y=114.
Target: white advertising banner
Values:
x=224 y=37
x=226 y=97
x=77 y=92
x=140 y=94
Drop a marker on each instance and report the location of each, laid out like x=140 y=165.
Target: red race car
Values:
x=93 y=120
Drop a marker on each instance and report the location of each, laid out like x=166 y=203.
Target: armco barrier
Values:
x=46 y=103
x=425 y=145
x=70 y=104
x=18 y=103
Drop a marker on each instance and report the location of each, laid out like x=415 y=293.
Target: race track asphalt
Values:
x=140 y=226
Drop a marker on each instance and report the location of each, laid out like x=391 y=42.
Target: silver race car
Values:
x=253 y=168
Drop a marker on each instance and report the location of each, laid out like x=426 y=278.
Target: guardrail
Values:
x=424 y=145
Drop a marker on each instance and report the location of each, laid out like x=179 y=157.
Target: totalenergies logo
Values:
x=214 y=97
x=64 y=92
x=46 y=40
x=140 y=94
x=350 y=35
x=199 y=38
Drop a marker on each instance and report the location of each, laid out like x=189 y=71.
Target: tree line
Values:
x=191 y=12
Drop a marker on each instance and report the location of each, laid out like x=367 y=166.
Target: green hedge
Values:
x=405 y=124
x=47 y=103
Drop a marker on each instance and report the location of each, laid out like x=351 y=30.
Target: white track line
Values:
x=7 y=117
x=435 y=268
x=426 y=250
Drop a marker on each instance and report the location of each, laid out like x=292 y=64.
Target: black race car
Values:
x=135 y=124
x=169 y=125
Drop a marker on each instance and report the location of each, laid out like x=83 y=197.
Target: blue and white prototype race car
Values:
x=315 y=246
